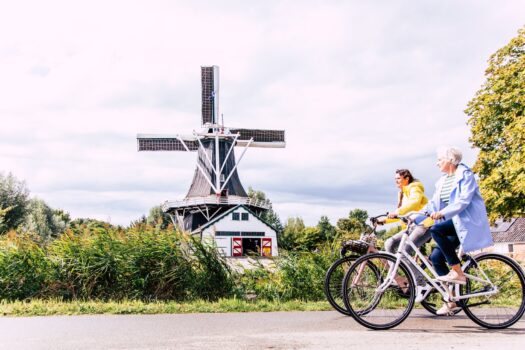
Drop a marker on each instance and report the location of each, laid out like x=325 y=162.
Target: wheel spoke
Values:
x=504 y=308
x=370 y=302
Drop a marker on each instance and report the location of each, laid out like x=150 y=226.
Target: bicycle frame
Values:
x=450 y=293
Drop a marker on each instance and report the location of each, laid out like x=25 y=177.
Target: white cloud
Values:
x=362 y=88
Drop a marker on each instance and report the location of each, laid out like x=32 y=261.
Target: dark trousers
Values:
x=447 y=240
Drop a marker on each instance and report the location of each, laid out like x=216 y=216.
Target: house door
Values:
x=251 y=246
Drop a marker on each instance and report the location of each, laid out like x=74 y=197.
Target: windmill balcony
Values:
x=214 y=200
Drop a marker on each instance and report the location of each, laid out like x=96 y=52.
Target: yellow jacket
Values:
x=414 y=199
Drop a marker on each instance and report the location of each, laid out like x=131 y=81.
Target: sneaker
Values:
x=453 y=277
x=448 y=310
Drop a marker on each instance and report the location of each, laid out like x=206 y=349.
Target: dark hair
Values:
x=405 y=173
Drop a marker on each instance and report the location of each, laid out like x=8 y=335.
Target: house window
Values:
x=252 y=234
x=511 y=248
x=227 y=233
x=244 y=216
x=235 y=216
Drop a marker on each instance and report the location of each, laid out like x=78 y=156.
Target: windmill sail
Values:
x=166 y=143
x=261 y=137
x=210 y=94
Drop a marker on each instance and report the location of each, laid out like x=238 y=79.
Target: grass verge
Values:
x=57 y=307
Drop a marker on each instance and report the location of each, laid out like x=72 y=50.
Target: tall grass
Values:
x=146 y=263
x=140 y=263
x=24 y=269
x=296 y=276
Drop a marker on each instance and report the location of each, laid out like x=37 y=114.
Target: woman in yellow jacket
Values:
x=411 y=198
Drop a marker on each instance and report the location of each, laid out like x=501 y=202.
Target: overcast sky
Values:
x=361 y=88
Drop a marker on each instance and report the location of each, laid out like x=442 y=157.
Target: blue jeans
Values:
x=447 y=240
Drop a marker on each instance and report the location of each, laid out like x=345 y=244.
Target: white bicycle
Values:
x=493 y=296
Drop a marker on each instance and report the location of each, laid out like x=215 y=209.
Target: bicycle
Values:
x=333 y=288
x=493 y=296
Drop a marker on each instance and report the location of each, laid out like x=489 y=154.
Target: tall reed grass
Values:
x=147 y=263
x=139 y=263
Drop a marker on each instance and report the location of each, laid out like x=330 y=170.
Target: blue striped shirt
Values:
x=448 y=183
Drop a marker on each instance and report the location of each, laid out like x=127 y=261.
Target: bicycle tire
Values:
x=506 y=307
x=385 y=310
x=333 y=283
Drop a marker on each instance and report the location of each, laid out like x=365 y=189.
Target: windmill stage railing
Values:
x=210 y=200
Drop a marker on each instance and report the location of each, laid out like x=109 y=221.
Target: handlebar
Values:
x=413 y=216
x=373 y=219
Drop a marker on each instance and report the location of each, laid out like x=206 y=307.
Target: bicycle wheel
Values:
x=506 y=306
x=371 y=305
x=333 y=283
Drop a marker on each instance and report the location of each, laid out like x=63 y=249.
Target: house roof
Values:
x=214 y=220
x=509 y=231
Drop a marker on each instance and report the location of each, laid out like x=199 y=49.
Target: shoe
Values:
x=448 y=310
x=453 y=277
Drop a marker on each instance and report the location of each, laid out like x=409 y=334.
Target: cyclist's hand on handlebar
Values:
x=380 y=221
x=437 y=215
x=392 y=215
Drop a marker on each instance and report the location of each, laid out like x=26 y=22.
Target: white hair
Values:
x=453 y=154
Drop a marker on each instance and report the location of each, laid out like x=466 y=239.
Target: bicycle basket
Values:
x=359 y=247
x=368 y=237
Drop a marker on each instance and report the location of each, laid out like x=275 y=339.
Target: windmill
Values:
x=216 y=187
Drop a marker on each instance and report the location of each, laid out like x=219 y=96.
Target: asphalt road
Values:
x=275 y=330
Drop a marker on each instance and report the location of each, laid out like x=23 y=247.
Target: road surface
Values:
x=273 y=330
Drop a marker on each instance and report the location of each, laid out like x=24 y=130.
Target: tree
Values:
x=13 y=202
x=326 y=229
x=270 y=216
x=497 y=124
x=291 y=233
x=308 y=239
x=43 y=220
x=158 y=218
x=2 y=214
x=354 y=224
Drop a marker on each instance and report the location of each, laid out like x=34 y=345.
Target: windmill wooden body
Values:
x=216 y=192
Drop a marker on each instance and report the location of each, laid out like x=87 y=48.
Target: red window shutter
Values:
x=236 y=246
x=266 y=247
